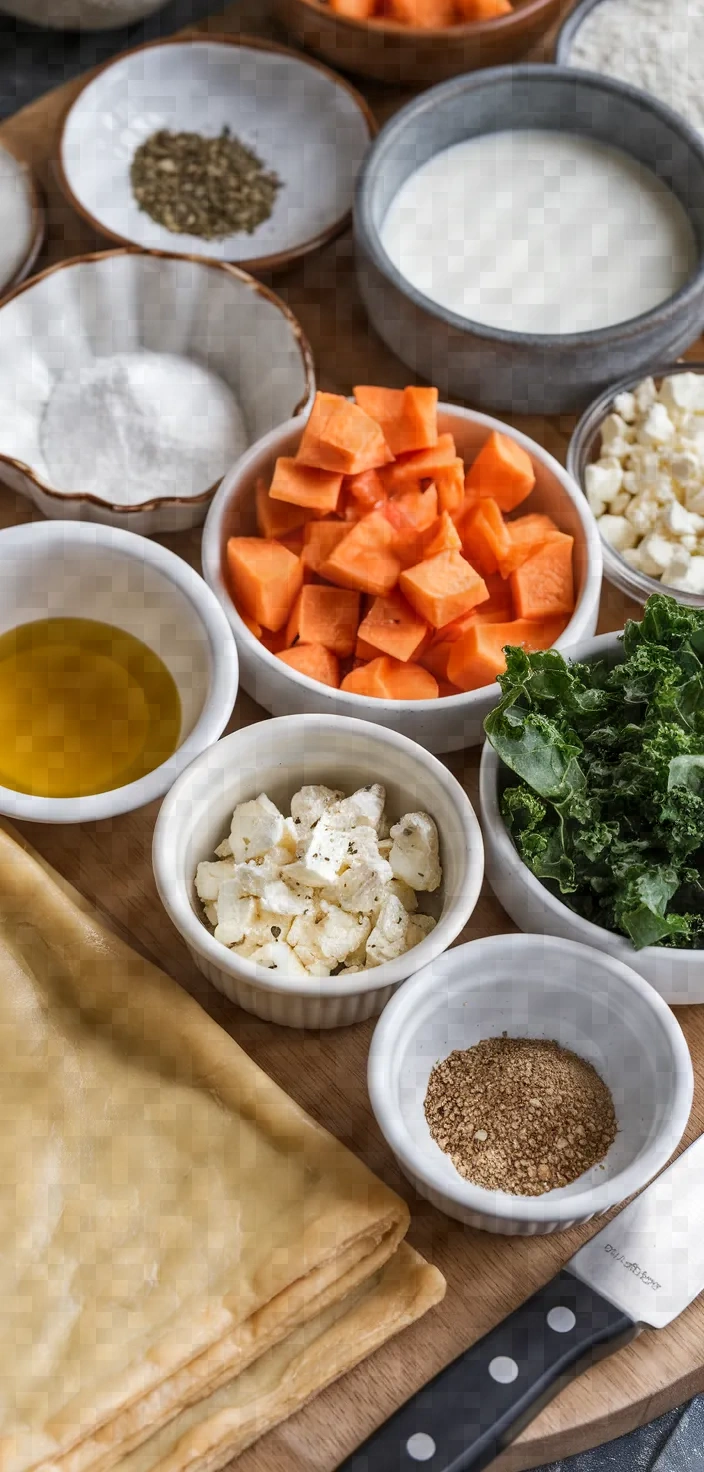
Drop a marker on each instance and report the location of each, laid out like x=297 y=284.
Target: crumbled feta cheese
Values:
x=278 y=956
x=645 y=395
x=224 y=849
x=256 y=827
x=614 y=430
x=210 y=876
x=309 y=804
x=676 y=521
x=655 y=554
x=618 y=532
x=619 y=503
x=642 y=511
x=692 y=581
x=683 y=391
x=655 y=429
x=603 y=480
x=625 y=407
x=414 y=856
x=235 y=914
x=326 y=892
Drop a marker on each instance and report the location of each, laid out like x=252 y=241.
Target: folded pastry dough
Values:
x=169 y=1216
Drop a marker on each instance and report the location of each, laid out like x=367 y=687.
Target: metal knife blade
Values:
x=649 y=1261
x=644 y=1268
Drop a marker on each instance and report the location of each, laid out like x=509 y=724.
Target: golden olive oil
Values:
x=84 y=708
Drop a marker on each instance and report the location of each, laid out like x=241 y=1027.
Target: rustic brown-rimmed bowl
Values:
x=124 y=301
x=306 y=124
x=390 y=52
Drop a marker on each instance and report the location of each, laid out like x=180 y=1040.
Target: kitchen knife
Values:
x=639 y=1272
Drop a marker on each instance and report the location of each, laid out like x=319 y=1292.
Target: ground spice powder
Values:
x=522 y=1115
x=210 y=187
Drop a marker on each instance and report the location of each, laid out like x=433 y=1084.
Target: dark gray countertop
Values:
x=33 y=61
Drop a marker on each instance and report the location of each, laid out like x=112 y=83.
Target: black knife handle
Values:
x=464 y=1417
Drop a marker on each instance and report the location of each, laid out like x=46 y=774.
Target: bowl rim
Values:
x=569 y=27
x=489 y=767
x=219 y=700
x=275 y=260
x=500 y=1204
x=621 y=571
x=238 y=274
x=539 y=73
x=211 y=552
x=174 y=897
x=381 y=25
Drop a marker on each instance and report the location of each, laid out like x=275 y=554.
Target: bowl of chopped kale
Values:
x=592 y=795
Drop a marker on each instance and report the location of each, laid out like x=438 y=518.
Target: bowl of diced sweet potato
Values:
x=417 y=41
x=375 y=558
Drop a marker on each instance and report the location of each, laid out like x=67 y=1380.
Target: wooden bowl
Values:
x=390 y=52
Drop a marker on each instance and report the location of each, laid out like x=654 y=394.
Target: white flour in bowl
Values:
x=137 y=427
x=657 y=45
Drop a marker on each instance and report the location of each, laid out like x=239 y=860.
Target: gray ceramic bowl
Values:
x=515 y=371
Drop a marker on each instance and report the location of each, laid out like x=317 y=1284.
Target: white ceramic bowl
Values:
x=678 y=975
x=23 y=218
x=66 y=569
x=303 y=121
x=126 y=301
x=533 y=986
x=278 y=757
x=446 y=724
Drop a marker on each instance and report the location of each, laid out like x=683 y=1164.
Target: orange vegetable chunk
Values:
x=526 y=535
x=470 y=10
x=477 y=658
x=436 y=659
x=327 y=616
x=251 y=623
x=274 y=642
x=449 y=480
x=441 y=536
x=319 y=540
x=277 y=518
x=315 y=661
x=339 y=436
x=364 y=559
x=265 y=579
x=502 y=470
x=390 y=679
x=365 y=651
x=365 y=490
x=442 y=588
x=421 y=465
x=393 y=627
x=353 y=9
x=544 y=585
x=430 y=15
x=293 y=540
x=408 y=417
x=485 y=537
x=317 y=489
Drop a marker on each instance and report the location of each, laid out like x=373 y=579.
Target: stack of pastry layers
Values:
x=187 y=1257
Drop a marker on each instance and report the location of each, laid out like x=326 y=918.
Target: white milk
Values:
x=538 y=231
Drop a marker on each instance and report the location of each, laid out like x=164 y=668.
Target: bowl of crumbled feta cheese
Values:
x=638 y=454
x=312 y=863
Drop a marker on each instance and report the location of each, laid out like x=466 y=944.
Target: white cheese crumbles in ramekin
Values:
x=647 y=487
x=330 y=890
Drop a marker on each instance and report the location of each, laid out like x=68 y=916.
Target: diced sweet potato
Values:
x=544 y=585
x=293 y=540
x=527 y=534
x=319 y=540
x=502 y=470
x=408 y=470
x=251 y=623
x=265 y=579
x=426 y=15
x=436 y=659
x=339 y=436
x=275 y=519
x=449 y=480
x=393 y=627
x=442 y=588
x=364 y=651
x=484 y=537
x=356 y=9
x=441 y=536
x=475 y=10
x=299 y=484
x=477 y=658
x=407 y=417
x=274 y=642
x=390 y=679
x=445 y=689
x=315 y=661
x=364 y=491
x=327 y=616
x=364 y=559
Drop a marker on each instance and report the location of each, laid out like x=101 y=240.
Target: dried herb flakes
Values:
x=210 y=187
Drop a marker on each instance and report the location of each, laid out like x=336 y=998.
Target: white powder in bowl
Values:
x=657 y=45
x=136 y=427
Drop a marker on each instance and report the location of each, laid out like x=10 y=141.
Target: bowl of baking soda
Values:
x=130 y=383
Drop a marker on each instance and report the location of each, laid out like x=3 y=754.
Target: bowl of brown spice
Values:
x=527 y=1083
x=231 y=149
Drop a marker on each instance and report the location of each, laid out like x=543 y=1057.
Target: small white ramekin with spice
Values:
x=527 y=1083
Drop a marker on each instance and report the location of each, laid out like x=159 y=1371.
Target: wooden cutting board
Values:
x=110 y=863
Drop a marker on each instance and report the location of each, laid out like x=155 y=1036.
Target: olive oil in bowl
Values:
x=84 y=708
